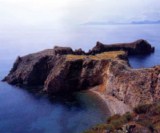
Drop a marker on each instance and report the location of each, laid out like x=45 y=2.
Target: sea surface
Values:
x=24 y=111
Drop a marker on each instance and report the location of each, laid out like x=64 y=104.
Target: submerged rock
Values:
x=62 y=70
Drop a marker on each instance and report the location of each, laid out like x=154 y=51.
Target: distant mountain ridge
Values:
x=122 y=23
x=146 y=22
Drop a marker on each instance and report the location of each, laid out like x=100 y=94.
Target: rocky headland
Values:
x=105 y=69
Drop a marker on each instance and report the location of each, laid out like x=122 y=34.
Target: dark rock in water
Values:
x=62 y=70
x=134 y=48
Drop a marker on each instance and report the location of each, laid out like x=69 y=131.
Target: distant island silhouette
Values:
x=123 y=23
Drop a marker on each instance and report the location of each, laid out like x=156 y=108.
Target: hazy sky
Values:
x=45 y=23
x=59 y=13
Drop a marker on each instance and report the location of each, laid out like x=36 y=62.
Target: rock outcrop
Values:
x=62 y=70
x=138 y=47
x=62 y=50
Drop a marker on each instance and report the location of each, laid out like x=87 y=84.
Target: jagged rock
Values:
x=79 y=52
x=138 y=47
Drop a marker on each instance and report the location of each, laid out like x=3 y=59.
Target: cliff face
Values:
x=62 y=70
x=31 y=69
x=74 y=73
x=131 y=86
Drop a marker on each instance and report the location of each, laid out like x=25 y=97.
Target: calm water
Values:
x=25 y=112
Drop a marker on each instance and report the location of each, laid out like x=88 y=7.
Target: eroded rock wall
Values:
x=132 y=86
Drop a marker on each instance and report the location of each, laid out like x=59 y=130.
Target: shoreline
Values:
x=112 y=103
x=99 y=100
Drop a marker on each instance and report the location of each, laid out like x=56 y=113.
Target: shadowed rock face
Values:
x=75 y=75
x=31 y=69
x=62 y=70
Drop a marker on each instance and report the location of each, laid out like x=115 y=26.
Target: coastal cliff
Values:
x=104 y=69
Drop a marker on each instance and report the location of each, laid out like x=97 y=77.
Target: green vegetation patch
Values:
x=144 y=118
x=141 y=109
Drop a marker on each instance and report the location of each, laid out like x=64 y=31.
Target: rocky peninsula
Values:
x=105 y=69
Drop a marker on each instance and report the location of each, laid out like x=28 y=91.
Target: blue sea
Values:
x=22 y=111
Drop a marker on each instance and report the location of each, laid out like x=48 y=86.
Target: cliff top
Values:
x=101 y=56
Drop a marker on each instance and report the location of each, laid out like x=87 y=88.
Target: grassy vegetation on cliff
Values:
x=145 y=118
x=105 y=55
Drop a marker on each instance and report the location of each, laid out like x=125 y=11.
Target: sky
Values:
x=31 y=25
x=58 y=14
